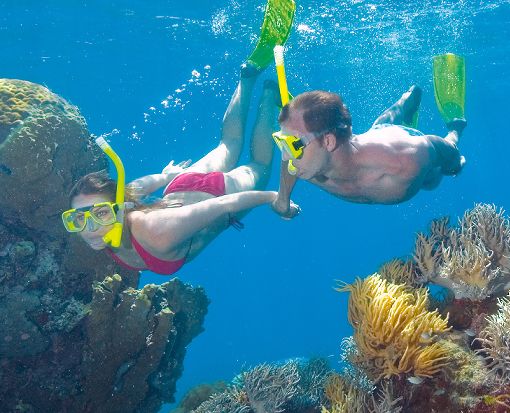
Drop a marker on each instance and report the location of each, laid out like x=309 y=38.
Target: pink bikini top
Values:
x=152 y=263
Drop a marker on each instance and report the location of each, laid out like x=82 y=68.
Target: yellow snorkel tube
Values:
x=114 y=236
x=284 y=91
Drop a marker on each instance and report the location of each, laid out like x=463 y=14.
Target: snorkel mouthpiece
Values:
x=291 y=168
x=114 y=236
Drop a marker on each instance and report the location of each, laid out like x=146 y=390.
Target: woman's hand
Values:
x=173 y=170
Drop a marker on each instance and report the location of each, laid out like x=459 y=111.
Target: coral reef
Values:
x=71 y=339
x=198 y=395
x=406 y=349
x=408 y=353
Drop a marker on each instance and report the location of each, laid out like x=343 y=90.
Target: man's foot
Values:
x=409 y=104
x=456 y=168
x=248 y=69
x=457 y=125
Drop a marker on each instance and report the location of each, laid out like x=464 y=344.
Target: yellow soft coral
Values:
x=394 y=332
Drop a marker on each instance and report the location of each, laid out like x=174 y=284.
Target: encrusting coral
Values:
x=393 y=330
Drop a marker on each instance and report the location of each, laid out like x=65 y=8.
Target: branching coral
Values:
x=351 y=371
x=343 y=397
x=394 y=332
x=387 y=402
x=471 y=260
x=233 y=400
x=400 y=272
x=270 y=387
x=495 y=342
x=295 y=386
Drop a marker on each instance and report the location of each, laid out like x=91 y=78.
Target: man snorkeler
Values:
x=388 y=164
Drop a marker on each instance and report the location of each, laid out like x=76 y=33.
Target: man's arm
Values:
x=283 y=206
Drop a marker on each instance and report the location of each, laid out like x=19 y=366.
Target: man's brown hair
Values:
x=322 y=112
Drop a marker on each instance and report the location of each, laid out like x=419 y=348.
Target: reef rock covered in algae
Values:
x=71 y=339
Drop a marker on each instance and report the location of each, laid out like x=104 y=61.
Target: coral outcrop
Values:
x=75 y=335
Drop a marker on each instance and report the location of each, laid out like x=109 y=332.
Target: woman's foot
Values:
x=249 y=69
x=409 y=104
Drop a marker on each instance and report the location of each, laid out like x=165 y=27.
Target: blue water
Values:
x=158 y=76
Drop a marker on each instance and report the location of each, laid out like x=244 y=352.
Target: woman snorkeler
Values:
x=199 y=201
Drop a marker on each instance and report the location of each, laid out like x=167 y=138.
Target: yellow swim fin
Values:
x=449 y=72
x=276 y=26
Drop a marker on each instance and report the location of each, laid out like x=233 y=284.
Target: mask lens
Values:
x=74 y=221
x=287 y=144
x=103 y=214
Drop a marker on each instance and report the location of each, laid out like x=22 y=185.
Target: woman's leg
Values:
x=225 y=156
x=255 y=175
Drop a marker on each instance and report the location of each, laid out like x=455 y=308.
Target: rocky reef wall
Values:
x=75 y=333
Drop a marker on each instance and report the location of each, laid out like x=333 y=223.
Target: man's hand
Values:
x=286 y=210
x=172 y=169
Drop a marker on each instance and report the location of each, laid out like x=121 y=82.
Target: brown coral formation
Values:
x=69 y=340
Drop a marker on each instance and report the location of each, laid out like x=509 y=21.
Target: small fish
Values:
x=470 y=332
x=415 y=380
x=425 y=336
x=439 y=392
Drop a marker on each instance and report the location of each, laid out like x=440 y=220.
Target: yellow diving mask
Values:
x=101 y=214
x=292 y=145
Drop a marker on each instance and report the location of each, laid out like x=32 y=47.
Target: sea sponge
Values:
x=394 y=332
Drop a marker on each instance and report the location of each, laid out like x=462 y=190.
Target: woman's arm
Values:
x=165 y=229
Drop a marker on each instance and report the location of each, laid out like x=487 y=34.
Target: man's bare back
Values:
x=387 y=165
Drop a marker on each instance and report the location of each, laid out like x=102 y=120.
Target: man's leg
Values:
x=403 y=110
x=225 y=156
x=255 y=175
x=450 y=161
